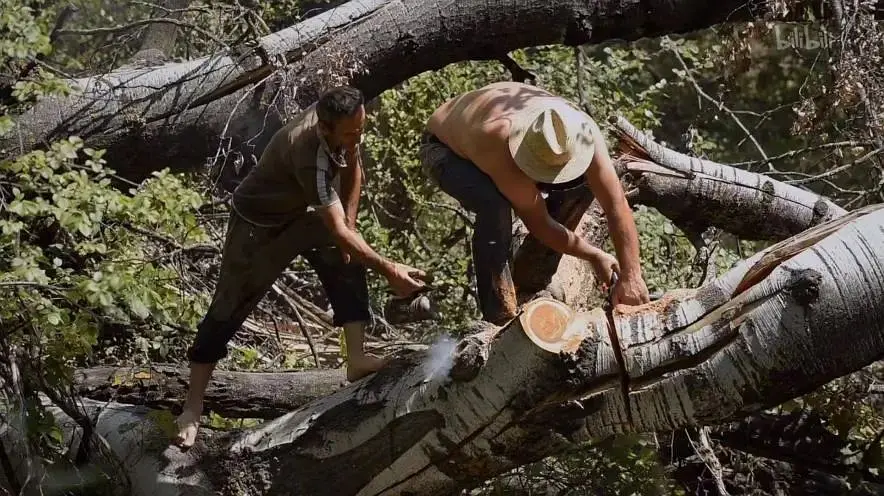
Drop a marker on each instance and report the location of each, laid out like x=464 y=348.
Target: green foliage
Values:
x=85 y=270
x=81 y=244
x=23 y=38
x=88 y=271
x=609 y=80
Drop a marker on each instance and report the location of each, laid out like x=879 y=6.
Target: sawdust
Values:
x=658 y=306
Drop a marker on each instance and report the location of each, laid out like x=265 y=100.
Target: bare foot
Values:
x=365 y=365
x=188 y=426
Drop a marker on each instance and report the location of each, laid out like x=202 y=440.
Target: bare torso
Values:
x=475 y=125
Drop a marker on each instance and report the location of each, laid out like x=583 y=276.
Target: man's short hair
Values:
x=338 y=103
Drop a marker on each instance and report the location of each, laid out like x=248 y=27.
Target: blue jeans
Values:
x=493 y=230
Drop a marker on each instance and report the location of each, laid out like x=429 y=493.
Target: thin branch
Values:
x=837 y=170
x=793 y=153
x=167 y=10
x=519 y=74
x=29 y=284
x=142 y=22
x=169 y=241
x=721 y=106
x=704 y=450
x=581 y=90
x=303 y=325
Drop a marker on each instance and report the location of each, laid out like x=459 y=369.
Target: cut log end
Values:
x=553 y=326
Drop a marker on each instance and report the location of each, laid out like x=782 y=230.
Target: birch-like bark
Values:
x=769 y=209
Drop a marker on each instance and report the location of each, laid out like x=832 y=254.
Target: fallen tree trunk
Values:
x=226 y=106
x=230 y=394
x=696 y=193
x=267 y=395
x=432 y=423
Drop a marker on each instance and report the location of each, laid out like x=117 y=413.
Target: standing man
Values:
x=290 y=205
x=493 y=149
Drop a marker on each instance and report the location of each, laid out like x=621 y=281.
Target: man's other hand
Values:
x=405 y=280
x=604 y=266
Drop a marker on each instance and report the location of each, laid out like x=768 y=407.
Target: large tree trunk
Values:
x=226 y=106
x=436 y=421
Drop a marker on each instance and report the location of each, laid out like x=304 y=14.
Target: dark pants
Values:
x=493 y=230
x=253 y=259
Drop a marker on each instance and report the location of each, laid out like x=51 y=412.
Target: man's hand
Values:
x=630 y=291
x=604 y=265
x=405 y=280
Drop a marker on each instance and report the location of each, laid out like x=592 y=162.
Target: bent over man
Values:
x=289 y=205
x=493 y=149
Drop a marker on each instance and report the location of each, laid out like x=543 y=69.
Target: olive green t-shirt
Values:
x=296 y=173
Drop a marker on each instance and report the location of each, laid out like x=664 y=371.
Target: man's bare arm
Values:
x=351 y=241
x=404 y=280
x=351 y=186
x=530 y=206
x=606 y=188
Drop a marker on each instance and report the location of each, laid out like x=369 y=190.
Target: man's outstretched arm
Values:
x=605 y=186
x=530 y=206
x=404 y=280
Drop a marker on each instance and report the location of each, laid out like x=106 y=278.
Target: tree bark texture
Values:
x=158 y=41
x=230 y=394
x=223 y=108
x=696 y=193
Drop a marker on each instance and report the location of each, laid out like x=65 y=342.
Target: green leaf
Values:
x=54 y=318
